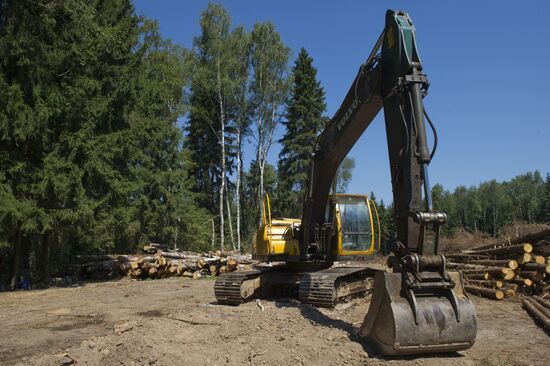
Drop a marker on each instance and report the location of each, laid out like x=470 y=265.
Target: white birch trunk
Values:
x=222 y=142
x=238 y=190
x=229 y=221
x=261 y=183
x=213 y=233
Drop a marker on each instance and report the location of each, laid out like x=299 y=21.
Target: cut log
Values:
x=146 y=266
x=490 y=270
x=142 y=259
x=543 y=309
x=486 y=283
x=187 y=274
x=508 y=274
x=213 y=270
x=475 y=276
x=178 y=255
x=510 y=249
x=525 y=258
x=542 y=301
x=125 y=266
x=527 y=238
x=508 y=292
x=160 y=262
x=510 y=263
x=523 y=281
x=137 y=273
x=454 y=265
x=539 y=259
x=533 y=275
x=465 y=257
x=485 y=292
x=536 y=313
x=542 y=267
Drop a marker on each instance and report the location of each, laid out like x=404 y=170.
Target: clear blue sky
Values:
x=487 y=63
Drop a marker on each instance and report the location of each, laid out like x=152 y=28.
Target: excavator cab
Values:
x=357 y=226
x=357 y=230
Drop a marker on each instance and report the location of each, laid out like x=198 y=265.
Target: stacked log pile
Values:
x=163 y=263
x=517 y=267
x=506 y=269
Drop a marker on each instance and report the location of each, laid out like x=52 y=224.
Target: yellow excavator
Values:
x=419 y=307
x=357 y=228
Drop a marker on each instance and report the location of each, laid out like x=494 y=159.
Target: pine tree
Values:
x=304 y=121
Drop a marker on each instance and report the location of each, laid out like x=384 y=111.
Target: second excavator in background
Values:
x=419 y=307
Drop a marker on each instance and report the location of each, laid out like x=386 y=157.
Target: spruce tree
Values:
x=91 y=154
x=304 y=121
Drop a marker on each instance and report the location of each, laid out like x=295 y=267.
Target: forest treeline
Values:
x=113 y=136
x=489 y=207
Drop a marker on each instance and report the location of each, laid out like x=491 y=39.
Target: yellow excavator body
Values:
x=357 y=230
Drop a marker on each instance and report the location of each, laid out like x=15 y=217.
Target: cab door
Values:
x=358 y=226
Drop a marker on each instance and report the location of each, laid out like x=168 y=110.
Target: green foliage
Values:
x=344 y=174
x=489 y=207
x=91 y=157
x=304 y=122
x=493 y=205
x=239 y=80
x=251 y=182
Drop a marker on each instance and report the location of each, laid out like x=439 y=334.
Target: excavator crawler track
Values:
x=327 y=287
x=229 y=286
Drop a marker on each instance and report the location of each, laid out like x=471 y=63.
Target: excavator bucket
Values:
x=436 y=322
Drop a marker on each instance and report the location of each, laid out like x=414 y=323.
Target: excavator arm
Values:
x=391 y=80
x=420 y=307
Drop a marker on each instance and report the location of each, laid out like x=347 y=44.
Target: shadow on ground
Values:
x=318 y=318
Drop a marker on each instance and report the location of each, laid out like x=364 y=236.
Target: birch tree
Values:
x=222 y=59
x=241 y=48
x=213 y=76
x=269 y=89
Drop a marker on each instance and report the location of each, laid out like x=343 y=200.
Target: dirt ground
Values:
x=176 y=321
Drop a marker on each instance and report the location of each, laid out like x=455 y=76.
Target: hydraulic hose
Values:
x=434 y=130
